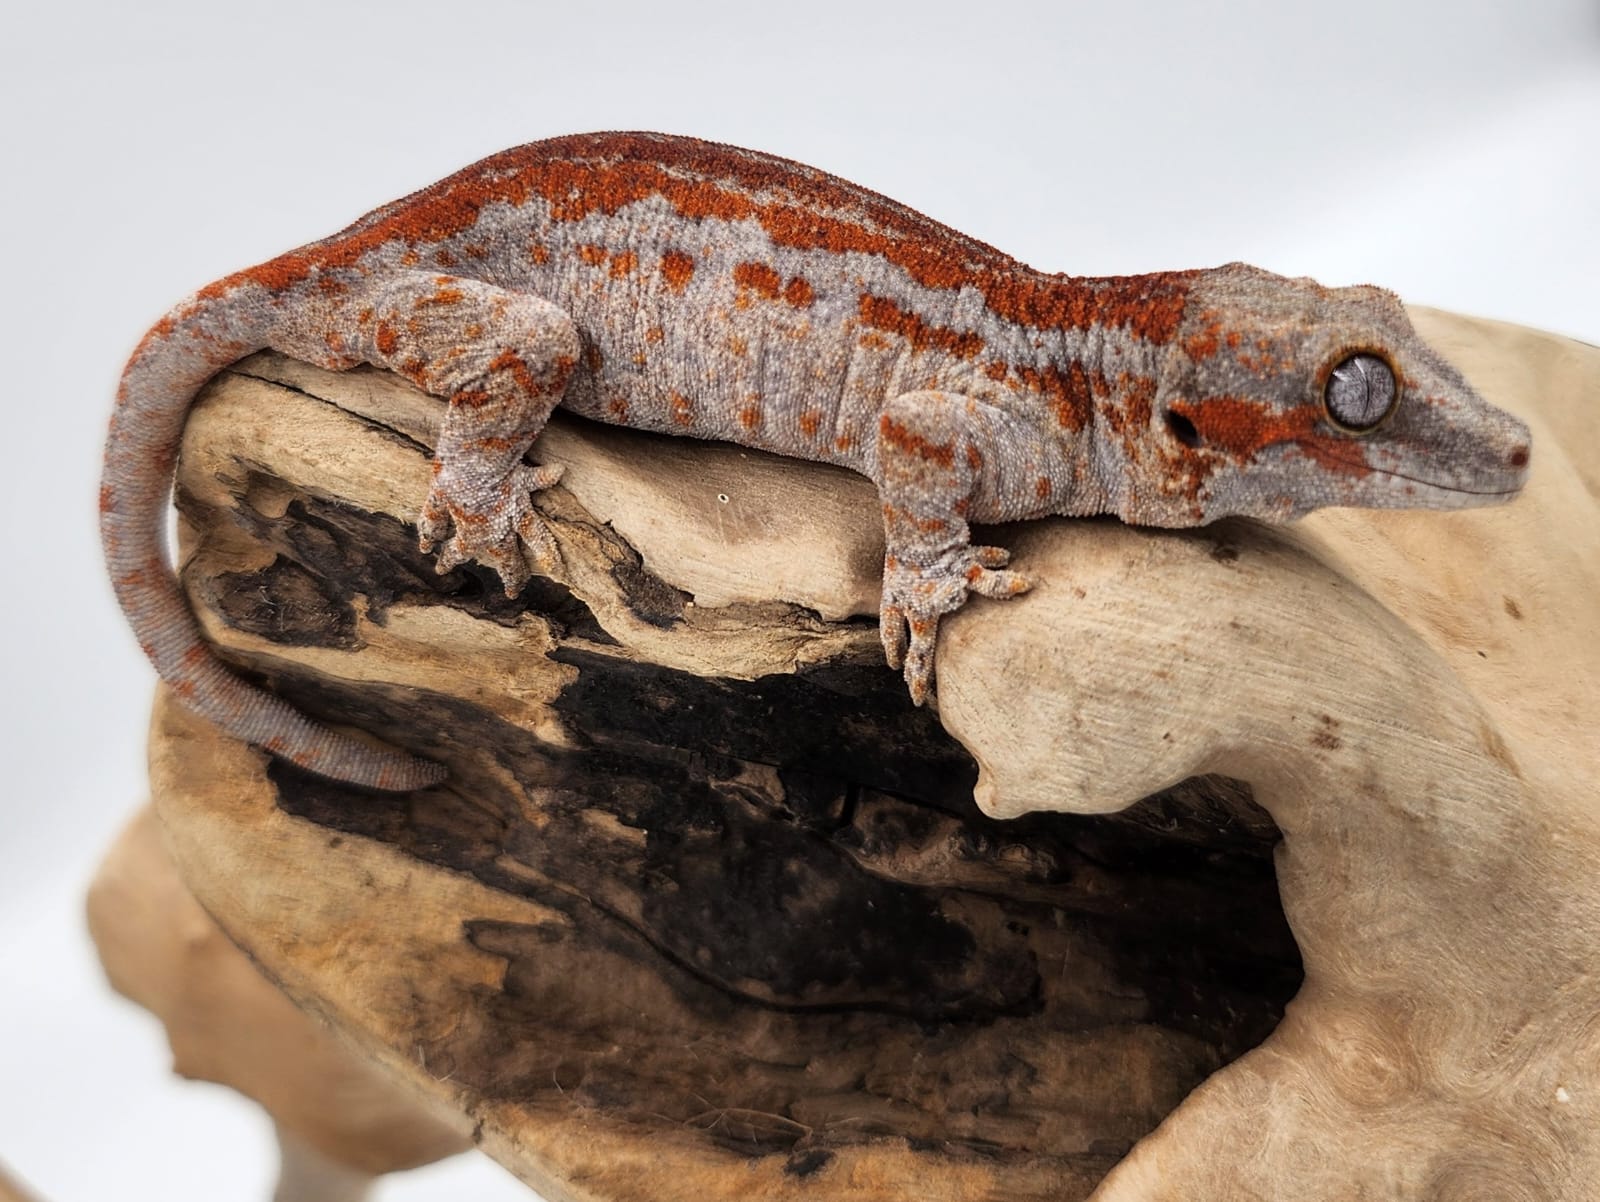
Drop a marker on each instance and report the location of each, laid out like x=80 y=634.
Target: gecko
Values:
x=686 y=287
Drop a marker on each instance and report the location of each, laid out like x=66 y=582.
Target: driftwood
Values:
x=706 y=909
x=10 y=1191
x=341 y=1122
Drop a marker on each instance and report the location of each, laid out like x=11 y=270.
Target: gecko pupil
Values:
x=1360 y=392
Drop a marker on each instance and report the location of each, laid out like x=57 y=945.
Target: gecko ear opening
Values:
x=1183 y=429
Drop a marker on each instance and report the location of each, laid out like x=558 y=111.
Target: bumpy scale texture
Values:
x=676 y=285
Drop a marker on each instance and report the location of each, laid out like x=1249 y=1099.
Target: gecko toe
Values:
x=540 y=476
x=451 y=556
x=892 y=631
x=919 y=658
x=988 y=583
x=540 y=542
x=991 y=557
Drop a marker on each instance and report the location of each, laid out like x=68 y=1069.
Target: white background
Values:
x=1449 y=150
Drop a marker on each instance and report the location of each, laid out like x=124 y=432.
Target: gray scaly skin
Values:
x=689 y=288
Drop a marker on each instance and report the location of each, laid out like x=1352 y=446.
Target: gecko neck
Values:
x=1099 y=385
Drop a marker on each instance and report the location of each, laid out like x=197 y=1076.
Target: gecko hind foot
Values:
x=490 y=523
x=916 y=596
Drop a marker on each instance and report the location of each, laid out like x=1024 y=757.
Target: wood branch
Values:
x=706 y=909
x=10 y=1190
x=341 y=1122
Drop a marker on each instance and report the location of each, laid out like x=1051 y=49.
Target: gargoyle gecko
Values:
x=676 y=285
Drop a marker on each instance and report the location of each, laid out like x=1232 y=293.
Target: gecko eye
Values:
x=1360 y=393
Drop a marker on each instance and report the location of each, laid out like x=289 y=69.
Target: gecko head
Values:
x=1278 y=396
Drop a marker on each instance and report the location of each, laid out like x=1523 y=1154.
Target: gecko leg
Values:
x=502 y=360
x=931 y=460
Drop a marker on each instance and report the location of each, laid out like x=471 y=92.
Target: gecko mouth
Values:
x=1392 y=474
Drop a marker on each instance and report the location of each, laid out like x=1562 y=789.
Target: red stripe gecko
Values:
x=685 y=287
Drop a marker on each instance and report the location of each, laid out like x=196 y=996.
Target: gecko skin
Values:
x=676 y=285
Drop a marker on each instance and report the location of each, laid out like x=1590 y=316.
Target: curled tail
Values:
x=185 y=349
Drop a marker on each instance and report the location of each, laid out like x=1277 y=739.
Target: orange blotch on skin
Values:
x=539 y=253
x=447 y=291
x=682 y=409
x=623 y=264
x=759 y=278
x=591 y=254
x=1241 y=428
x=654 y=334
x=893 y=434
x=750 y=417
x=881 y=313
x=1068 y=393
x=1130 y=409
x=799 y=293
x=494 y=443
x=677 y=269
x=810 y=421
x=1206 y=341
x=529 y=383
x=1041 y=488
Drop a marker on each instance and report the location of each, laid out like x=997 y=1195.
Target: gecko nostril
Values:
x=1519 y=457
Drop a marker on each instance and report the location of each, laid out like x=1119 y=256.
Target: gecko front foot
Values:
x=916 y=596
x=491 y=522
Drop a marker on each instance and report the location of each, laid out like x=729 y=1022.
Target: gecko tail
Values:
x=191 y=344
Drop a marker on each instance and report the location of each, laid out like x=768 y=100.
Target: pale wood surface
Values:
x=11 y=1191
x=341 y=1121
x=638 y=940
